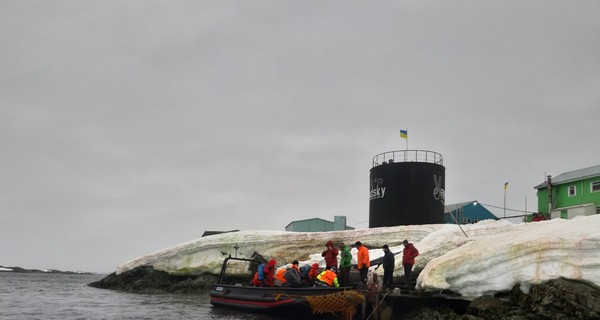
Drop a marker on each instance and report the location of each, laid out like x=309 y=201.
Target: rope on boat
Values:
x=377 y=306
x=343 y=302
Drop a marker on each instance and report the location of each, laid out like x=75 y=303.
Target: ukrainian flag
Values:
x=404 y=134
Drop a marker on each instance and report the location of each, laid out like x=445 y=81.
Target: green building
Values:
x=318 y=225
x=573 y=193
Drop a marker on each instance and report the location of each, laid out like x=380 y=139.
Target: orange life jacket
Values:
x=280 y=275
x=329 y=277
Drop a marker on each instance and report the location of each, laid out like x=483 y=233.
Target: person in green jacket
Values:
x=345 y=264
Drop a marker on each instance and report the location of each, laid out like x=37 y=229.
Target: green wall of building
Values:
x=561 y=198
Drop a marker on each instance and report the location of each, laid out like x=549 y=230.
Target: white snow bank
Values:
x=492 y=257
x=523 y=254
x=5 y=269
x=206 y=254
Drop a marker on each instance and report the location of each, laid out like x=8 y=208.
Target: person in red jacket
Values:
x=408 y=260
x=270 y=273
x=313 y=273
x=265 y=278
x=330 y=255
x=538 y=216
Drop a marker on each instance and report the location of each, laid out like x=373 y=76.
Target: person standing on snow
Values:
x=408 y=259
x=330 y=255
x=388 y=268
x=345 y=264
x=363 y=261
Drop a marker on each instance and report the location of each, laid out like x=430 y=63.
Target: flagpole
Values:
x=505 y=202
x=505 y=187
x=525 y=218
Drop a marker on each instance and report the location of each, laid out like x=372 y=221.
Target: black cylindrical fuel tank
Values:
x=407 y=188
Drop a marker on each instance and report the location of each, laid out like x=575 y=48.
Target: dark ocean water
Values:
x=43 y=296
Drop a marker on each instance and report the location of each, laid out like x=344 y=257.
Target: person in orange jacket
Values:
x=364 y=262
x=280 y=277
x=408 y=259
x=328 y=278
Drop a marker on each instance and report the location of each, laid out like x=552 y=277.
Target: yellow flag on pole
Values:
x=404 y=134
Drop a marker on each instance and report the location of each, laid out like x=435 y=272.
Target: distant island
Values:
x=23 y=270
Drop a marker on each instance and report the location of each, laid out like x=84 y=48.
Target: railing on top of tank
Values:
x=408 y=156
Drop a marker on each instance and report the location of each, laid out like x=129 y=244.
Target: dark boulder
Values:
x=147 y=280
x=559 y=299
x=487 y=307
x=555 y=299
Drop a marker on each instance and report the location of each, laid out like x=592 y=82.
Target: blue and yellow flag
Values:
x=404 y=134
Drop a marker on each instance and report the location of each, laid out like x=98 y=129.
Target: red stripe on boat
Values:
x=258 y=303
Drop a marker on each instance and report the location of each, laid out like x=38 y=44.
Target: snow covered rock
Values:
x=479 y=259
x=205 y=255
x=524 y=254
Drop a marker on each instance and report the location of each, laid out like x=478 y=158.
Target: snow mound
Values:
x=524 y=254
x=473 y=260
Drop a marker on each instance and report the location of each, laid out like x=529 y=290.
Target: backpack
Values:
x=292 y=277
x=261 y=272
x=304 y=271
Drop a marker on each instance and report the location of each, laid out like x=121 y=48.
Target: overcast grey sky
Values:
x=130 y=126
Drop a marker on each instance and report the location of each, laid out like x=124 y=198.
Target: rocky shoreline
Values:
x=147 y=280
x=556 y=299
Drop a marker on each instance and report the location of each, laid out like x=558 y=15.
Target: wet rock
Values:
x=559 y=299
x=556 y=299
x=440 y=313
x=567 y=298
x=488 y=307
x=148 y=280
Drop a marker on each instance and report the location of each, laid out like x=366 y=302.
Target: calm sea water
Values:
x=32 y=296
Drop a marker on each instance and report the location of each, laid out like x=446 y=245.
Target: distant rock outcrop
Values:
x=23 y=270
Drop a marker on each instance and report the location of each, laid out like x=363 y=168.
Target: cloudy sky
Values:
x=130 y=126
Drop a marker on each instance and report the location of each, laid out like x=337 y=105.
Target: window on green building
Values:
x=572 y=191
x=595 y=186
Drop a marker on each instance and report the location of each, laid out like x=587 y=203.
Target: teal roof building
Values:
x=318 y=225
x=467 y=212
